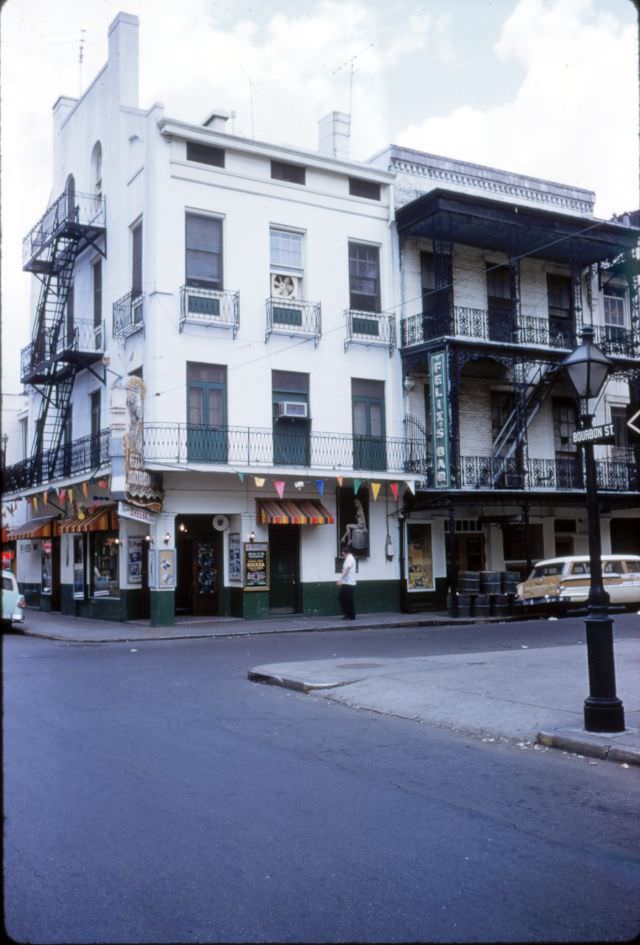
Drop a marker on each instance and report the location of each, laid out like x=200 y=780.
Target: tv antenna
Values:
x=81 y=59
x=350 y=62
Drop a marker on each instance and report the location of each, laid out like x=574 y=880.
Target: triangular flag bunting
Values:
x=320 y=486
x=375 y=488
x=411 y=486
x=356 y=485
x=394 y=490
x=279 y=484
x=259 y=481
x=35 y=502
x=340 y=480
x=44 y=498
x=85 y=490
x=241 y=475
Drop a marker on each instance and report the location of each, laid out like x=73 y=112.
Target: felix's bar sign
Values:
x=600 y=435
x=440 y=418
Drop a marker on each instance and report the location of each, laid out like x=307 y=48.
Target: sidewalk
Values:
x=527 y=696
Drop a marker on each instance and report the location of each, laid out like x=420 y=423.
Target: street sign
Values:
x=633 y=423
x=601 y=435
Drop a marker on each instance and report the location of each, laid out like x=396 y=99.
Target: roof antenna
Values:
x=81 y=59
x=350 y=63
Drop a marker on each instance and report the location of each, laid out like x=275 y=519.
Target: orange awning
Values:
x=35 y=528
x=299 y=512
x=96 y=520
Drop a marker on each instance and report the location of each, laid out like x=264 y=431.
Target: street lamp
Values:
x=587 y=368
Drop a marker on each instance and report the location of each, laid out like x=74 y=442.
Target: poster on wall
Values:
x=134 y=559
x=162 y=569
x=235 y=560
x=256 y=566
x=419 y=557
x=78 y=567
x=353 y=519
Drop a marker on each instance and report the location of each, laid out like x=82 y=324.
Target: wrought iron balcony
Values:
x=215 y=308
x=370 y=328
x=128 y=314
x=181 y=444
x=80 y=340
x=83 y=455
x=294 y=317
x=559 y=474
x=80 y=215
x=614 y=340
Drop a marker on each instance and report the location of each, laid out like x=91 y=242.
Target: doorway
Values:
x=284 y=554
x=470 y=552
x=198 y=549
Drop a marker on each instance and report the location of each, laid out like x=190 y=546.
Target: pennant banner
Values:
x=375 y=489
x=394 y=490
x=411 y=486
x=356 y=485
x=259 y=481
x=85 y=490
x=320 y=486
x=279 y=484
x=340 y=480
x=241 y=475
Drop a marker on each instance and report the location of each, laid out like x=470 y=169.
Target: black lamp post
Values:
x=587 y=368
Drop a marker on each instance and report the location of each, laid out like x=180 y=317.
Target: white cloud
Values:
x=574 y=117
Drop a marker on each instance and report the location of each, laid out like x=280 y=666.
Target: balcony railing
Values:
x=214 y=308
x=181 y=444
x=80 y=456
x=82 y=337
x=80 y=342
x=614 y=340
x=489 y=472
x=128 y=314
x=294 y=317
x=69 y=209
x=370 y=328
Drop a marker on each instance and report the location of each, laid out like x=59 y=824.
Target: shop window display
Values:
x=104 y=572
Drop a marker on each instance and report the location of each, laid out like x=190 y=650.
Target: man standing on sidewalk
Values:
x=347 y=584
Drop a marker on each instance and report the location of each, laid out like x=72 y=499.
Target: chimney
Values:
x=123 y=59
x=217 y=120
x=333 y=135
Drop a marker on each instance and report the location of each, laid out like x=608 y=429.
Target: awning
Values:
x=35 y=528
x=96 y=520
x=301 y=512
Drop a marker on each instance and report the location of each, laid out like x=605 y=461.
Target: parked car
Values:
x=565 y=581
x=13 y=603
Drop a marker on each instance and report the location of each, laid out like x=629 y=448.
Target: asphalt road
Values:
x=153 y=794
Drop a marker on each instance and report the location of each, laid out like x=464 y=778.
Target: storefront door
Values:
x=471 y=552
x=284 y=552
x=204 y=579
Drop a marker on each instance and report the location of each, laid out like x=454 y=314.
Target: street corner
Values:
x=621 y=747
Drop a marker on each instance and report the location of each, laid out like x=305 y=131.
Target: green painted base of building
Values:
x=162 y=608
x=371 y=597
x=96 y=608
x=416 y=601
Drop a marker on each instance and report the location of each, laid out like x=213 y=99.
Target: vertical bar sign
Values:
x=440 y=418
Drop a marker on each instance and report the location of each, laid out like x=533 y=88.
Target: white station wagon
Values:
x=566 y=581
x=13 y=602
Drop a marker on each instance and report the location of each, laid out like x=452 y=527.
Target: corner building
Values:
x=243 y=353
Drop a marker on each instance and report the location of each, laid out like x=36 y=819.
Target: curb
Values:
x=579 y=746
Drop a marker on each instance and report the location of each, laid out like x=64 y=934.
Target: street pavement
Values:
x=525 y=696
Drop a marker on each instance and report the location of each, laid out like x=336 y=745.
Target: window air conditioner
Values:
x=290 y=408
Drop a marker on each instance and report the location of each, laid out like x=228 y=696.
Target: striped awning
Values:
x=40 y=527
x=96 y=520
x=299 y=512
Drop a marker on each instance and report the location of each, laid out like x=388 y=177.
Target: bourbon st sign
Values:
x=439 y=382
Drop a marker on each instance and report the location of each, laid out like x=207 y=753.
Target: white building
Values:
x=236 y=292
x=243 y=353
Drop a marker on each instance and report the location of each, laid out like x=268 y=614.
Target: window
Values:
x=499 y=303
x=286 y=249
x=24 y=437
x=621 y=447
x=136 y=260
x=559 y=296
x=203 y=251
x=205 y=154
x=104 y=571
x=78 y=566
x=46 y=549
x=614 y=306
x=364 y=277
x=290 y=433
x=565 y=423
x=286 y=276
x=502 y=405
x=70 y=326
x=293 y=173
x=364 y=188
x=97 y=303
x=95 y=427
x=206 y=412
x=369 y=445
x=96 y=163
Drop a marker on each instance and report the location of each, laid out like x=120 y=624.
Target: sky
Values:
x=541 y=87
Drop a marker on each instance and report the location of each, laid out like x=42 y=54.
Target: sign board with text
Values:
x=601 y=435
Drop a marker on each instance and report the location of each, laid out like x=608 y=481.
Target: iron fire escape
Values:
x=59 y=349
